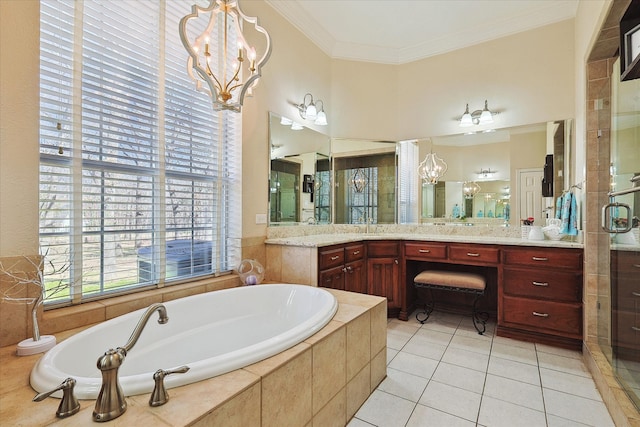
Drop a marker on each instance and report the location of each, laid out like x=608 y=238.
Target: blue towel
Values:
x=559 y=207
x=568 y=215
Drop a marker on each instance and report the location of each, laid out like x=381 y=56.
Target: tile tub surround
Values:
x=322 y=381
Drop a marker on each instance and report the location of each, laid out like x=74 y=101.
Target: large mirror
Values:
x=299 y=175
x=315 y=179
x=365 y=181
x=496 y=177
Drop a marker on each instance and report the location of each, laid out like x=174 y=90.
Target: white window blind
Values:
x=139 y=177
x=408 y=181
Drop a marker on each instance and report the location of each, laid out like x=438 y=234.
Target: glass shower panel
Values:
x=625 y=243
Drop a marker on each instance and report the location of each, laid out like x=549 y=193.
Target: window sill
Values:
x=62 y=319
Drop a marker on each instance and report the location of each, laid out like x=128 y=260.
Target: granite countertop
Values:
x=320 y=240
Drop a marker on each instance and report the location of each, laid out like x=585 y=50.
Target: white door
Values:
x=530 y=194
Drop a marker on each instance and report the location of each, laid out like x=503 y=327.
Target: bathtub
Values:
x=212 y=333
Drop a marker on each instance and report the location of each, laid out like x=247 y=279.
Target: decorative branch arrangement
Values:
x=17 y=293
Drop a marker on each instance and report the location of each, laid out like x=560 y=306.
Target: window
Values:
x=139 y=177
x=376 y=202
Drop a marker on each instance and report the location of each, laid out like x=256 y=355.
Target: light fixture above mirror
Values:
x=486 y=173
x=477 y=117
x=208 y=39
x=309 y=110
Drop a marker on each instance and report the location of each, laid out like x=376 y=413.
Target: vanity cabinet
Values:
x=536 y=291
x=383 y=271
x=540 y=295
x=343 y=267
x=625 y=303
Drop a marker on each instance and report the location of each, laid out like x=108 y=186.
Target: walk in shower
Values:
x=619 y=297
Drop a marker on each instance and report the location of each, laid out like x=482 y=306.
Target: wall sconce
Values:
x=478 y=117
x=222 y=73
x=310 y=111
x=470 y=189
x=486 y=173
x=359 y=180
x=432 y=168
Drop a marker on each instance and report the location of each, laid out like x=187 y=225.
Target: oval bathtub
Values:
x=212 y=333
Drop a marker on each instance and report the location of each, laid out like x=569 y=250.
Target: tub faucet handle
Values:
x=69 y=405
x=159 y=395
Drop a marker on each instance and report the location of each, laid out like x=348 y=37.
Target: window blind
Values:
x=408 y=180
x=139 y=177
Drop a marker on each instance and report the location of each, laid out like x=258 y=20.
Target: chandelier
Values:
x=359 y=180
x=218 y=49
x=432 y=168
x=470 y=189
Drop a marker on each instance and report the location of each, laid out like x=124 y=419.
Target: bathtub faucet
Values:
x=111 y=402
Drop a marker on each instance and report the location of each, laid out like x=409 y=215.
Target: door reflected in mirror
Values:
x=299 y=174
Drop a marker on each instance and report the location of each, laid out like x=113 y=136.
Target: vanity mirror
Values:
x=365 y=181
x=299 y=173
x=493 y=161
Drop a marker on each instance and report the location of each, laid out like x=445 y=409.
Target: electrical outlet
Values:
x=261 y=218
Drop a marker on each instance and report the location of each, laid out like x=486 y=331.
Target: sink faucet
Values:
x=111 y=402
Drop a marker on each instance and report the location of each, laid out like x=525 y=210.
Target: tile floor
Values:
x=444 y=374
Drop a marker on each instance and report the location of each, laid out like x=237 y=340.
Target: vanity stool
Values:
x=454 y=281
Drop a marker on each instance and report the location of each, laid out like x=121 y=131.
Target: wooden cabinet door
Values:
x=333 y=278
x=383 y=279
x=355 y=278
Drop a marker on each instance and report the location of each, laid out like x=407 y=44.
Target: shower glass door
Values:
x=621 y=220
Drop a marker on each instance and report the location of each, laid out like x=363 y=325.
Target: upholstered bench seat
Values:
x=454 y=281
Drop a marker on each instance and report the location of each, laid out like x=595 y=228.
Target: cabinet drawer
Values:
x=425 y=250
x=544 y=284
x=544 y=258
x=544 y=316
x=625 y=293
x=383 y=249
x=354 y=252
x=331 y=258
x=474 y=253
x=626 y=331
x=626 y=263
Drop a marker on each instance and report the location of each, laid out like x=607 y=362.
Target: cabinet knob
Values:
x=333 y=258
x=540 y=283
x=635 y=294
x=356 y=252
x=424 y=251
x=473 y=254
x=537 y=258
x=344 y=269
x=635 y=328
x=396 y=261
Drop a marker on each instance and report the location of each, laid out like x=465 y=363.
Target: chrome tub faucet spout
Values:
x=111 y=403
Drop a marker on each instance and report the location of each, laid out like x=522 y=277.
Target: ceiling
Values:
x=401 y=31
